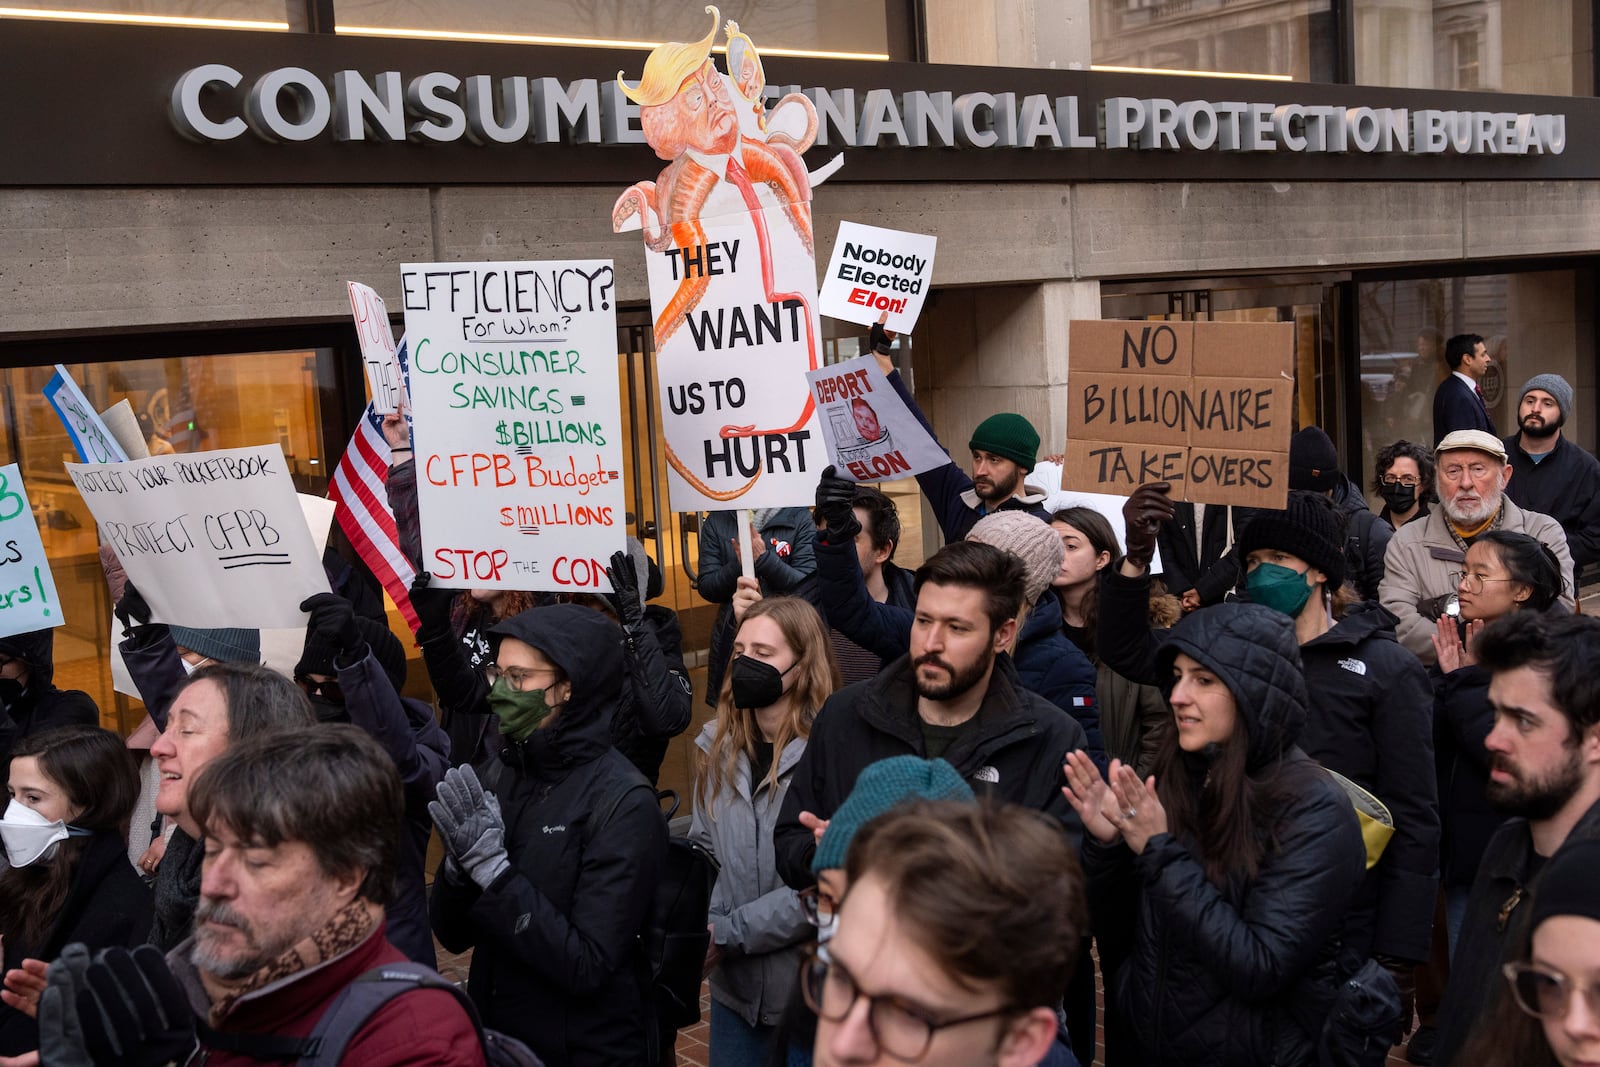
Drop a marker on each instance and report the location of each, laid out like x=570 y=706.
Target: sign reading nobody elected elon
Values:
x=1206 y=406
x=212 y=539
x=518 y=426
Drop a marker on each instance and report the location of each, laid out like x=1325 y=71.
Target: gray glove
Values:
x=61 y=1041
x=469 y=821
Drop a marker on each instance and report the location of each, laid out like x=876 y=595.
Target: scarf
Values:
x=1464 y=538
x=177 y=890
x=349 y=927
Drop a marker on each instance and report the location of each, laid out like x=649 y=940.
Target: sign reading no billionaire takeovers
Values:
x=870 y=433
x=378 y=350
x=518 y=425
x=28 y=599
x=212 y=539
x=876 y=272
x=1206 y=406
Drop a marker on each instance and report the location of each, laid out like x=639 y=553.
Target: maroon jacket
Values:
x=426 y=1028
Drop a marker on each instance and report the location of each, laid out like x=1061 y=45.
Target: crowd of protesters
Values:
x=1326 y=779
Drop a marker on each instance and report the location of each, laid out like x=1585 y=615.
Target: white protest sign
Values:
x=874 y=271
x=1046 y=476
x=736 y=330
x=90 y=438
x=377 y=348
x=123 y=425
x=28 y=599
x=212 y=539
x=518 y=430
x=870 y=433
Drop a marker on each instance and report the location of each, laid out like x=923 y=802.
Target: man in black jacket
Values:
x=1554 y=476
x=955 y=696
x=1544 y=765
x=855 y=521
x=29 y=701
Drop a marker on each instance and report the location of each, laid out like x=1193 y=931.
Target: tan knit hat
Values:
x=1030 y=539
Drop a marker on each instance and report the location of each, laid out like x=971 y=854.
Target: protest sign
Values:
x=518 y=430
x=212 y=539
x=868 y=430
x=28 y=599
x=90 y=438
x=123 y=426
x=377 y=348
x=733 y=278
x=1206 y=406
x=875 y=271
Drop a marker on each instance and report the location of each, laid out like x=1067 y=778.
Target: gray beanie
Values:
x=1555 y=385
x=1027 y=537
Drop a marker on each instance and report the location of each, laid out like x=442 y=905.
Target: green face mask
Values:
x=1278 y=588
x=519 y=713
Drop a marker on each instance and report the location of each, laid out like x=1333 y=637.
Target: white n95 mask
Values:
x=29 y=836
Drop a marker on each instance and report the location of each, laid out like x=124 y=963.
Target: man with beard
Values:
x=1544 y=770
x=954 y=696
x=1555 y=476
x=1426 y=557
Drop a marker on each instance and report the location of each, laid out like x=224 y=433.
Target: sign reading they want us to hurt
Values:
x=1207 y=406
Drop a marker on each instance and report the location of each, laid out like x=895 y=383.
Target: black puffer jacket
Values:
x=1239 y=973
x=556 y=958
x=1462 y=719
x=40 y=705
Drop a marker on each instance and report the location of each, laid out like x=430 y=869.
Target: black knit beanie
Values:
x=1567 y=886
x=318 y=657
x=1309 y=528
x=1313 y=462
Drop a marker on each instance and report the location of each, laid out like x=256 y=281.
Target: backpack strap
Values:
x=363 y=998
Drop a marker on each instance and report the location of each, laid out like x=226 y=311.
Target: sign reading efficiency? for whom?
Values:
x=28 y=599
x=876 y=272
x=1206 y=406
x=518 y=425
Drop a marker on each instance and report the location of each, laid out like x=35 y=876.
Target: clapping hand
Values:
x=470 y=822
x=1454 y=652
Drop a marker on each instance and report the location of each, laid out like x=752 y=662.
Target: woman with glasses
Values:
x=1503 y=572
x=1549 y=1013
x=781 y=672
x=1403 y=477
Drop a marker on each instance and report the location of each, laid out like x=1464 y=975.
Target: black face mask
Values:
x=11 y=691
x=327 y=711
x=1400 y=497
x=755 y=684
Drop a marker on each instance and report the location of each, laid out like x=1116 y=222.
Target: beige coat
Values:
x=1422 y=556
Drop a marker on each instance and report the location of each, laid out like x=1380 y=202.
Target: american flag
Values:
x=362 y=508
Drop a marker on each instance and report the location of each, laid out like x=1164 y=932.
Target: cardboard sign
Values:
x=875 y=271
x=212 y=539
x=1206 y=406
x=518 y=430
x=377 y=348
x=737 y=413
x=28 y=599
x=869 y=432
x=90 y=438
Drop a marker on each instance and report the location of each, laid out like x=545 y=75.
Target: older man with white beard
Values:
x=1425 y=559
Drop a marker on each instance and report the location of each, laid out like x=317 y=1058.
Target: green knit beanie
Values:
x=1010 y=435
x=880 y=787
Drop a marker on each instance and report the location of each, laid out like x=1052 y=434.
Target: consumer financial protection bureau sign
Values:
x=292 y=104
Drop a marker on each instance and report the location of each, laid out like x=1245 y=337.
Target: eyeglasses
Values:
x=1405 y=479
x=901 y=1030
x=520 y=679
x=1547 y=994
x=818 y=906
x=328 y=690
x=1474 y=582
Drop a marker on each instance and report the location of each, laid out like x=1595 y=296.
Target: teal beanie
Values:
x=880 y=787
x=1010 y=435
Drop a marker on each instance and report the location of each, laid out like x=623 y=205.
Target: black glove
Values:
x=624 y=595
x=431 y=603
x=1405 y=979
x=1143 y=513
x=880 y=339
x=334 y=620
x=133 y=1011
x=132 y=610
x=60 y=1035
x=834 y=495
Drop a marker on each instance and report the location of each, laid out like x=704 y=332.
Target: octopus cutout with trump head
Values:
x=732 y=264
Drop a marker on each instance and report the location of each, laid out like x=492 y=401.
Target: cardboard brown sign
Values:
x=1206 y=406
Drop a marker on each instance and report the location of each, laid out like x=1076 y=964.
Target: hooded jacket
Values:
x=40 y=705
x=1011 y=750
x=781 y=570
x=1242 y=973
x=556 y=958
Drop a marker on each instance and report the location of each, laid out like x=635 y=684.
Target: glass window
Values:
x=183 y=405
x=811 y=26
x=1474 y=44
x=242 y=14
x=1285 y=42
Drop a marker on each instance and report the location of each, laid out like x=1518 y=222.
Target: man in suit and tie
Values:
x=1458 y=402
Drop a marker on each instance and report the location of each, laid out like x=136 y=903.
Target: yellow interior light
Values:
x=579 y=42
x=139 y=19
x=1192 y=73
